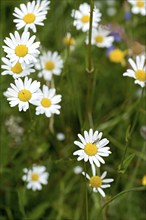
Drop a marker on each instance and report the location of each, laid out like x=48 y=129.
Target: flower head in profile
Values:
x=139 y=70
x=30 y=15
x=98 y=183
x=138 y=6
x=16 y=70
x=82 y=17
x=69 y=41
x=51 y=64
x=117 y=56
x=101 y=38
x=92 y=147
x=22 y=93
x=35 y=177
x=48 y=102
x=21 y=48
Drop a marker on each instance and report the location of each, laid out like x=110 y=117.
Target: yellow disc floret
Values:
x=21 y=50
x=29 y=18
x=140 y=4
x=45 y=102
x=17 y=68
x=99 y=39
x=34 y=177
x=144 y=180
x=85 y=18
x=24 y=95
x=95 y=181
x=116 y=56
x=49 y=65
x=90 y=149
x=140 y=75
x=69 y=41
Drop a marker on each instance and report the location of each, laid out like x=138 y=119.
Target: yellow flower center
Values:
x=21 y=50
x=49 y=65
x=69 y=41
x=34 y=177
x=90 y=149
x=85 y=18
x=140 y=75
x=140 y=4
x=24 y=95
x=17 y=68
x=45 y=102
x=95 y=181
x=29 y=18
x=99 y=39
x=144 y=180
x=116 y=56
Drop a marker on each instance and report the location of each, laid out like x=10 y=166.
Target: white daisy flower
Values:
x=139 y=70
x=93 y=148
x=21 y=48
x=138 y=6
x=22 y=93
x=98 y=183
x=35 y=177
x=30 y=15
x=51 y=64
x=69 y=40
x=16 y=70
x=48 y=102
x=100 y=37
x=82 y=17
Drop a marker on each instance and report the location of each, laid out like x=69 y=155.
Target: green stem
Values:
x=86 y=193
x=120 y=194
x=90 y=66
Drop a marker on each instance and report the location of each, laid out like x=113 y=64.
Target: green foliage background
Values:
x=115 y=109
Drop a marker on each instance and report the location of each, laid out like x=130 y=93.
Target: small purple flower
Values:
x=127 y=16
x=109 y=49
x=116 y=36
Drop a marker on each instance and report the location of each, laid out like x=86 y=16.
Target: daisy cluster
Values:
x=92 y=149
x=23 y=58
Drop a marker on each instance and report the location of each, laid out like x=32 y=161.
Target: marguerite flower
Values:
x=30 y=15
x=51 y=64
x=21 y=48
x=16 y=70
x=82 y=17
x=35 y=177
x=48 y=102
x=98 y=183
x=139 y=70
x=69 y=40
x=93 y=148
x=138 y=6
x=22 y=93
x=101 y=38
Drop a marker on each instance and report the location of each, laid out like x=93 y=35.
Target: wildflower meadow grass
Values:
x=73 y=110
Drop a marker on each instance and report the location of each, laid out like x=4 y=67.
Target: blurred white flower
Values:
x=101 y=38
x=138 y=6
x=21 y=48
x=51 y=64
x=30 y=15
x=98 y=183
x=111 y=11
x=82 y=17
x=139 y=70
x=48 y=102
x=69 y=40
x=22 y=93
x=78 y=169
x=16 y=70
x=35 y=177
x=93 y=148
x=143 y=132
x=60 y=136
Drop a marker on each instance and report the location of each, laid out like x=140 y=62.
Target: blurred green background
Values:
x=115 y=110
